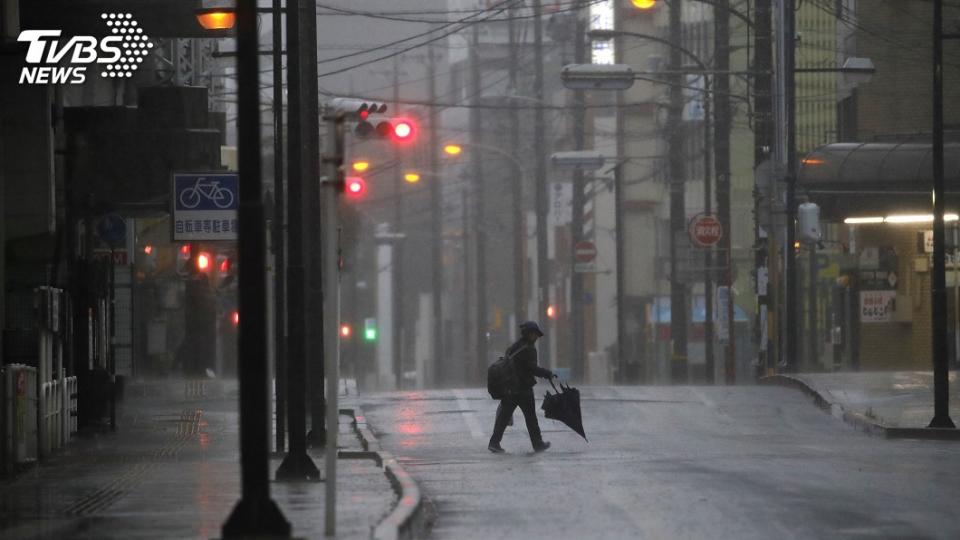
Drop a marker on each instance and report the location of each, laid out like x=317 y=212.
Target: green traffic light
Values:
x=370 y=334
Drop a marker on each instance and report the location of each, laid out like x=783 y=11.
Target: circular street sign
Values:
x=585 y=251
x=705 y=230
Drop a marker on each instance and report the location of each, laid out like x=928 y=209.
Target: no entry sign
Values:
x=585 y=251
x=705 y=230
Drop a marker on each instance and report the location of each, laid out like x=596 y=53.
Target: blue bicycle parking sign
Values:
x=205 y=206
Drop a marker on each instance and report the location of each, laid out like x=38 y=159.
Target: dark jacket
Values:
x=525 y=362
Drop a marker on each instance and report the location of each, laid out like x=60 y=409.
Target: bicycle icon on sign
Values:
x=206 y=189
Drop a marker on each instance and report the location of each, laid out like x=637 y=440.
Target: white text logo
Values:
x=120 y=54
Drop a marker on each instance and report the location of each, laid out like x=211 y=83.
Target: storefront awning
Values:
x=876 y=178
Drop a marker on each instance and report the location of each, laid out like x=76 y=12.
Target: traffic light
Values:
x=357 y=108
x=354 y=187
x=203 y=261
x=345 y=331
x=551 y=312
x=398 y=130
x=644 y=4
x=370 y=329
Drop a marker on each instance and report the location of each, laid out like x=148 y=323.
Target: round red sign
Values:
x=705 y=230
x=585 y=251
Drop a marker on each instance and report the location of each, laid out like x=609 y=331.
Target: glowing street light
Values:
x=411 y=177
x=644 y=4
x=361 y=166
x=221 y=18
x=453 y=149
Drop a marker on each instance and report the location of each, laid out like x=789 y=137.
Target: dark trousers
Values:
x=527 y=404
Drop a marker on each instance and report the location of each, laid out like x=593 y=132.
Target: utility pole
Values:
x=519 y=231
x=480 y=225
x=310 y=99
x=467 y=334
x=764 y=243
x=540 y=178
x=296 y=465
x=721 y=141
x=279 y=283
x=678 y=289
x=576 y=222
x=256 y=514
x=397 y=252
x=941 y=381
x=791 y=320
x=618 y=208
x=436 y=224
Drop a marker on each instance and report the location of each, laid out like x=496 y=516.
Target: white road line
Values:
x=468 y=416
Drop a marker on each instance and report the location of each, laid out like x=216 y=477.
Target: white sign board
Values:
x=205 y=206
x=877 y=306
x=561 y=203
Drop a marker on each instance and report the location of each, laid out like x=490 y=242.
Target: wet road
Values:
x=669 y=462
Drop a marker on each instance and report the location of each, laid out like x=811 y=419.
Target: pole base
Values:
x=298 y=468
x=942 y=421
x=256 y=518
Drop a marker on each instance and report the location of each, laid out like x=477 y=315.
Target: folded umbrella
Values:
x=565 y=407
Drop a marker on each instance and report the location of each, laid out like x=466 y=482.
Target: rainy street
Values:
x=668 y=462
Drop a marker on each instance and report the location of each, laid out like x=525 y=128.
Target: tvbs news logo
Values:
x=51 y=59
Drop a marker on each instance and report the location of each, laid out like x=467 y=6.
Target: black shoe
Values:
x=541 y=447
x=495 y=448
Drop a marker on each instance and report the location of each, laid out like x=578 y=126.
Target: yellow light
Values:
x=361 y=166
x=644 y=4
x=453 y=149
x=862 y=220
x=216 y=18
x=411 y=177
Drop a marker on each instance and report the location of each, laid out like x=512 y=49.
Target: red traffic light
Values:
x=354 y=186
x=345 y=331
x=403 y=129
x=203 y=261
x=551 y=312
x=235 y=317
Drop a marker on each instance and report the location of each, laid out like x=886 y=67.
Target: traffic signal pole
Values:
x=436 y=225
x=333 y=160
x=256 y=514
x=397 y=250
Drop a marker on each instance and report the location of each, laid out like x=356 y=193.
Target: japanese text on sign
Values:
x=877 y=306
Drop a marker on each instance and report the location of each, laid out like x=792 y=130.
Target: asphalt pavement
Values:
x=668 y=463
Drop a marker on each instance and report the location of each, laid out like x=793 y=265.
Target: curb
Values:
x=860 y=421
x=407 y=519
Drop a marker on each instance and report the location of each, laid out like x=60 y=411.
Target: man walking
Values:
x=524 y=356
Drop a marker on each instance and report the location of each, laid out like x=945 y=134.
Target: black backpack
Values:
x=502 y=378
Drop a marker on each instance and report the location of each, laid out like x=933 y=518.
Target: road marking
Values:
x=468 y=416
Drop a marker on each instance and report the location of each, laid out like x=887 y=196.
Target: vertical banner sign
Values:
x=205 y=206
x=561 y=203
x=722 y=315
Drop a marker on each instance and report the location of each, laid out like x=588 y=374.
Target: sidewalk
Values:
x=895 y=401
x=172 y=471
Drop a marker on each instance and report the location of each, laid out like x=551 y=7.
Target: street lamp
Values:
x=411 y=177
x=217 y=18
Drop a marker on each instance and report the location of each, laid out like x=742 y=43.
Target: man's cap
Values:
x=531 y=326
